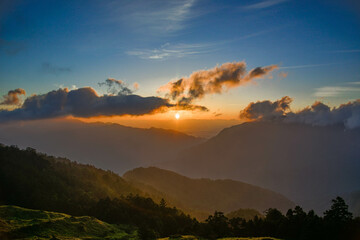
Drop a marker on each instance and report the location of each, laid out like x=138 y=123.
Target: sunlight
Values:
x=177 y=115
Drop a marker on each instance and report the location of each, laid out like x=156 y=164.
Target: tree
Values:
x=339 y=212
x=337 y=220
x=162 y=203
x=218 y=225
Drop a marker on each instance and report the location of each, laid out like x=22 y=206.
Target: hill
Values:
x=33 y=180
x=104 y=145
x=38 y=181
x=206 y=195
x=22 y=223
x=302 y=162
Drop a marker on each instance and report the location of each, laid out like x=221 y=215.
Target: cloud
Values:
x=264 y=4
x=282 y=75
x=12 y=98
x=266 y=110
x=152 y=17
x=11 y=47
x=116 y=87
x=318 y=114
x=215 y=80
x=47 y=67
x=334 y=91
x=308 y=66
x=82 y=102
x=85 y=102
x=168 y=51
x=353 y=83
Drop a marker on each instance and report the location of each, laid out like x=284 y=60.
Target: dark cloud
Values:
x=83 y=102
x=266 y=110
x=116 y=87
x=260 y=72
x=318 y=114
x=12 y=98
x=215 y=80
x=47 y=67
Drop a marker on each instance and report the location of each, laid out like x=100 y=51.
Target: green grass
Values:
x=21 y=223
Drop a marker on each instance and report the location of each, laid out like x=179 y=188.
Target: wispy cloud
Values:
x=335 y=91
x=308 y=65
x=47 y=67
x=353 y=83
x=168 y=50
x=180 y=50
x=155 y=17
x=264 y=4
x=11 y=47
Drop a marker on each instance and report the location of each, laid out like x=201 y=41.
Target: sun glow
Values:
x=177 y=115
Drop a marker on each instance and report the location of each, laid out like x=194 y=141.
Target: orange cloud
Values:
x=12 y=98
x=215 y=80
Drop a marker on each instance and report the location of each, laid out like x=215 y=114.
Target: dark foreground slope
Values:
x=32 y=180
x=22 y=223
x=300 y=161
x=104 y=145
x=206 y=195
x=38 y=181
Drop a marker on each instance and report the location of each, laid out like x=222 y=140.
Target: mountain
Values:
x=34 y=180
x=37 y=181
x=22 y=223
x=206 y=195
x=302 y=162
x=108 y=146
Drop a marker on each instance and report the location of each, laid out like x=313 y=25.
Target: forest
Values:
x=38 y=181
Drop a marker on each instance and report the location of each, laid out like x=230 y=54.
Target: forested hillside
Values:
x=206 y=195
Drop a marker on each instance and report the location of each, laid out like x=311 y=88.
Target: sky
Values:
x=312 y=49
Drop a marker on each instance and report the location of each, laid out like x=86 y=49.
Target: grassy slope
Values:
x=22 y=223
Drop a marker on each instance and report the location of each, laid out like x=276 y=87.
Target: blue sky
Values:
x=45 y=45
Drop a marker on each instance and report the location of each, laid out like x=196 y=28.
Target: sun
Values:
x=177 y=115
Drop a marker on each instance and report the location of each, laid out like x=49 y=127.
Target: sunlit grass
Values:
x=21 y=223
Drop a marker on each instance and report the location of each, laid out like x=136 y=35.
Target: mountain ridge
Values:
x=301 y=161
x=208 y=195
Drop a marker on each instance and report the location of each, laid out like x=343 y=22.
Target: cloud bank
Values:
x=85 y=102
x=12 y=98
x=318 y=114
x=82 y=102
x=215 y=80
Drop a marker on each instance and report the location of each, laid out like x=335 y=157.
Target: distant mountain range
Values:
x=202 y=197
x=105 y=145
x=307 y=164
x=303 y=162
